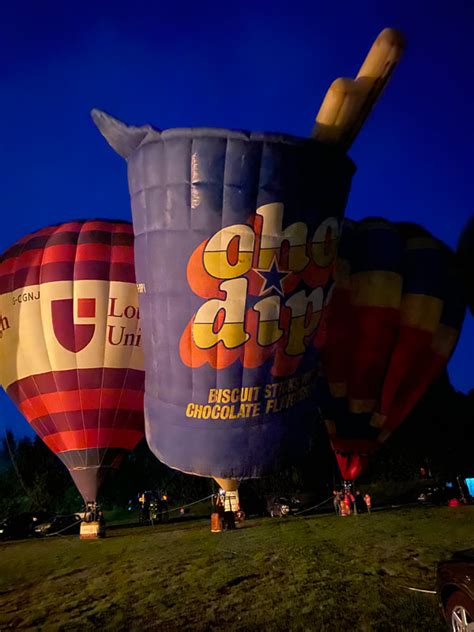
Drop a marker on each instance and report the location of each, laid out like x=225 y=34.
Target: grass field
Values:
x=313 y=573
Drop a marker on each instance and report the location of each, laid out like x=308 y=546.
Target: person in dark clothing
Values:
x=361 y=507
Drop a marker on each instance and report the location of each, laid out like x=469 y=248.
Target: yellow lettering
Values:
x=273 y=236
x=225 y=412
x=217 y=259
x=301 y=326
x=268 y=330
x=206 y=329
x=270 y=406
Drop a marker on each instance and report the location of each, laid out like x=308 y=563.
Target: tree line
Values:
x=438 y=436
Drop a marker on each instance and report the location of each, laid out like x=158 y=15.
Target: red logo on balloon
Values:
x=73 y=337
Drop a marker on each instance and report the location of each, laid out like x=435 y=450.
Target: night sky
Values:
x=251 y=64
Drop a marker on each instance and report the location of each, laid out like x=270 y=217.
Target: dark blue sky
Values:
x=251 y=64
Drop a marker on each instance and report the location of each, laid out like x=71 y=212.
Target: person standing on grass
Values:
x=360 y=505
x=336 y=502
x=345 y=508
x=368 y=502
x=350 y=500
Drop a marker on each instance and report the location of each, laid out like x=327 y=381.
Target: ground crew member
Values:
x=345 y=507
x=368 y=502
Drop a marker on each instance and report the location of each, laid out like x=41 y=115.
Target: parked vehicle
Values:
x=283 y=506
x=152 y=506
x=22 y=525
x=455 y=579
x=435 y=495
x=64 y=525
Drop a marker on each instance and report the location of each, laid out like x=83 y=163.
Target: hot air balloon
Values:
x=70 y=344
x=235 y=237
x=392 y=322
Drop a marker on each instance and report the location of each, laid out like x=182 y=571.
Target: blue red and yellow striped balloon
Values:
x=392 y=322
x=70 y=343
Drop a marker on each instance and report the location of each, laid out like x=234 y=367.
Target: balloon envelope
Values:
x=391 y=325
x=235 y=240
x=70 y=343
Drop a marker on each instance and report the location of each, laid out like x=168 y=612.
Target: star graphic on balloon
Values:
x=273 y=278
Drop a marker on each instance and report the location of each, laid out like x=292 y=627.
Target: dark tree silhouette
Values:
x=438 y=436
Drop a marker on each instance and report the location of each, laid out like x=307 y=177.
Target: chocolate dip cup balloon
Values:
x=235 y=238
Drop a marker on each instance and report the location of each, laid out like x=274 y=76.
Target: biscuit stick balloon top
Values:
x=349 y=102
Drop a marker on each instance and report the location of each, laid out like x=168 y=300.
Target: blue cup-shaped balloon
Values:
x=235 y=238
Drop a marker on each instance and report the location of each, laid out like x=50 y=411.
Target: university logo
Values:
x=73 y=337
x=264 y=289
x=123 y=318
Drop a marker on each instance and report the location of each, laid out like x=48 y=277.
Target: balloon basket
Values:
x=92 y=530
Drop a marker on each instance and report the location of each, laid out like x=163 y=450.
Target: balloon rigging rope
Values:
x=420 y=590
x=314 y=506
x=189 y=504
x=48 y=535
x=35 y=500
